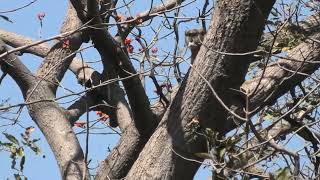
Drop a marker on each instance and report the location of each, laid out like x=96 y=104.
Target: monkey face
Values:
x=194 y=38
x=193 y=45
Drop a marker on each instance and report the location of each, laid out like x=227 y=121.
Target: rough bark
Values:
x=164 y=155
x=59 y=57
x=233 y=22
x=111 y=51
x=143 y=125
x=16 y=69
x=279 y=77
x=49 y=117
x=284 y=74
x=120 y=160
x=86 y=76
x=82 y=70
x=46 y=113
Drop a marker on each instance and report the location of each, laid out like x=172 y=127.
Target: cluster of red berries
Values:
x=127 y=42
x=103 y=116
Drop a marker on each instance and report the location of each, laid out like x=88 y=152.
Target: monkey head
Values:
x=194 y=38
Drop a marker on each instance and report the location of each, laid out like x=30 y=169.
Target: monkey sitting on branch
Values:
x=194 y=38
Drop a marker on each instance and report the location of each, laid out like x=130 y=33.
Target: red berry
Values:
x=66 y=44
x=127 y=41
x=99 y=113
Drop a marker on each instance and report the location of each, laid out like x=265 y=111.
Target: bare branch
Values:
x=110 y=50
x=16 y=69
x=194 y=99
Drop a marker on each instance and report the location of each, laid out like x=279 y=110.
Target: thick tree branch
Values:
x=16 y=69
x=120 y=160
x=110 y=50
x=83 y=71
x=86 y=75
x=233 y=22
x=79 y=107
x=50 y=118
x=61 y=54
x=284 y=74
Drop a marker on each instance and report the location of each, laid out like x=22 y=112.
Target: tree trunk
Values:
x=236 y=27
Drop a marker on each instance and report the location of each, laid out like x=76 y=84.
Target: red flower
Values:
x=127 y=41
x=66 y=44
x=99 y=113
x=41 y=15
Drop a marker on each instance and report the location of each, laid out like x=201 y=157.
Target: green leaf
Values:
x=23 y=160
x=11 y=138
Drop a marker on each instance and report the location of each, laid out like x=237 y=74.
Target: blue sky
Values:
x=25 y=22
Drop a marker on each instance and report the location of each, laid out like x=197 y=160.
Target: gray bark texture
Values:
x=232 y=22
x=157 y=142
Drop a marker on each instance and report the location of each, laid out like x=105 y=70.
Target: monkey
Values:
x=194 y=38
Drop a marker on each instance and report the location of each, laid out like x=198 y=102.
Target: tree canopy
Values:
x=244 y=103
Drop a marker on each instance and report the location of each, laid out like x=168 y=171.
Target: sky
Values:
x=25 y=22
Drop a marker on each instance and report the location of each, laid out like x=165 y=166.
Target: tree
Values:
x=252 y=88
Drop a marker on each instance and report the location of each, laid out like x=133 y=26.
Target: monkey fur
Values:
x=194 y=38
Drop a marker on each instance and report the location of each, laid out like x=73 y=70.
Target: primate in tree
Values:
x=194 y=38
